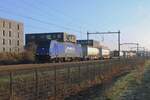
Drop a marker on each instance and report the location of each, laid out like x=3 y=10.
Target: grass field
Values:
x=125 y=84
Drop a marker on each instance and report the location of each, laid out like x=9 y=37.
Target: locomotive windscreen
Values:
x=42 y=48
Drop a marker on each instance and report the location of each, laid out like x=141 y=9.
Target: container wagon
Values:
x=130 y=54
x=104 y=53
x=90 y=53
x=117 y=54
x=91 y=43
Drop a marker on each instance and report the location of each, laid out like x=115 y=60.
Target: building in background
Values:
x=92 y=43
x=71 y=38
x=36 y=38
x=12 y=36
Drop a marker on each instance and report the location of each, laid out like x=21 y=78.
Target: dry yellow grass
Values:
x=15 y=58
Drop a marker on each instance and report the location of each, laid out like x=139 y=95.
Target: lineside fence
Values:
x=57 y=81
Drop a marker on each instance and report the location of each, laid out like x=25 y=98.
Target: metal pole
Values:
x=144 y=52
x=36 y=84
x=87 y=38
x=137 y=48
x=68 y=67
x=119 y=42
x=55 y=83
x=11 y=86
x=79 y=75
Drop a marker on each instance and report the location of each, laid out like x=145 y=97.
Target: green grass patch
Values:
x=125 y=83
x=121 y=85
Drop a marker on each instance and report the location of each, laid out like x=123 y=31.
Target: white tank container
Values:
x=90 y=52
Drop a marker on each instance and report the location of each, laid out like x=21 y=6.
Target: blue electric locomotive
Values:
x=58 y=51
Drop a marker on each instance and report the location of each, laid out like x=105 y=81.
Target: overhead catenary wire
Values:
x=39 y=20
x=22 y=7
x=32 y=27
x=35 y=10
x=33 y=5
x=36 y=5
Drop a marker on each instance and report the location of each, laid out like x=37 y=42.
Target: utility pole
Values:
x=119 y=43
x=107 y=34
x=137 y=48
x=87 y=38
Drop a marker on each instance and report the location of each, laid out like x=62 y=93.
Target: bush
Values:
x=17 y=58
x=7 y=58
x=28 y=57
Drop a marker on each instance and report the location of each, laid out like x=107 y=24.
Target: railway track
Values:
x=42 y=65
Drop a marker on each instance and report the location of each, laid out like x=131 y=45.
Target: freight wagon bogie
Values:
x=46 y=58
x=67 y=59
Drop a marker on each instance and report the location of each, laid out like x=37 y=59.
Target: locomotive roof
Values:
x=46 y=33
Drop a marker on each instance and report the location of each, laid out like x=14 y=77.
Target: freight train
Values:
x=61 y=46
x=123 y=54
x=56 y=51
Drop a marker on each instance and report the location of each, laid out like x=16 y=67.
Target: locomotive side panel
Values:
x=65 y=50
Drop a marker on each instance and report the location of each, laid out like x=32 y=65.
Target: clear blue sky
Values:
x=132 y=17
